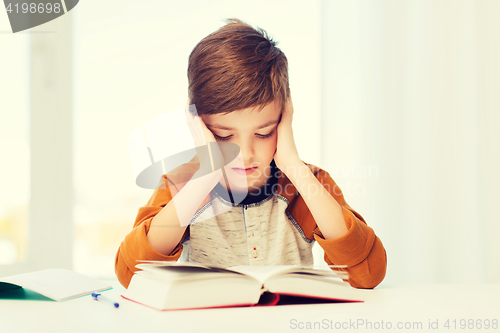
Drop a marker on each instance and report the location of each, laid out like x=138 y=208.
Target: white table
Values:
x=386 y=307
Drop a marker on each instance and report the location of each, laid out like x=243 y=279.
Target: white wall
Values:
x=412 y=88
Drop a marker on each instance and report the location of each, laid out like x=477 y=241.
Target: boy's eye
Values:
x=265 y=136
x=220 y=138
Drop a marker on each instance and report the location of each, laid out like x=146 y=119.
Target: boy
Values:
x=238 y=81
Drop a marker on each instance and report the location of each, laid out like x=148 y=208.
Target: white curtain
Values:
x=411 y=115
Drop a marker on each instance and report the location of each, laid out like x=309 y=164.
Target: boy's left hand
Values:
x=286 y=152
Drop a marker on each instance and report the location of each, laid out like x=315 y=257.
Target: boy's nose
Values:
x=246 y=150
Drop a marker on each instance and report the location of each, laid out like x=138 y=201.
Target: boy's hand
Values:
x=199 y=131
x=202 y=136
x=286 y=152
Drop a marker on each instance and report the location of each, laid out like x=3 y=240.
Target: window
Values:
x=14 y=146
x=36 y=113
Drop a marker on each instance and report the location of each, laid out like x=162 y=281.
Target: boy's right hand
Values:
x=199 y=131
x=210 y=160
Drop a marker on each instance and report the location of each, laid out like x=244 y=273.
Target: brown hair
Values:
x=237 y=67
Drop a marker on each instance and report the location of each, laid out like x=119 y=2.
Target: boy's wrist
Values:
x=292 y=168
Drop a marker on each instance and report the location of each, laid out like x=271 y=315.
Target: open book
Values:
x=166 y=285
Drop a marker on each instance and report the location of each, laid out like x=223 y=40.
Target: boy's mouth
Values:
x=245 y=171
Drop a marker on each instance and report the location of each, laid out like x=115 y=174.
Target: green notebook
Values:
x=56 y=284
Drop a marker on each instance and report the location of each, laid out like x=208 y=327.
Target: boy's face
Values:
x=255 y=132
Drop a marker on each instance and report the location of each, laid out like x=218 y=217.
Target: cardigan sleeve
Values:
x=136 y=246
x=359 y=249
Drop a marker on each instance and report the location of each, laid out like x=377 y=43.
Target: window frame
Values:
x=50 y=208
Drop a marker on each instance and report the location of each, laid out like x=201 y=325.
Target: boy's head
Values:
x=238 y=81
x=235 y=68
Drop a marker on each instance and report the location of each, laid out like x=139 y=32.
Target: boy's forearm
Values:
x=324 y=208
x=168 y=226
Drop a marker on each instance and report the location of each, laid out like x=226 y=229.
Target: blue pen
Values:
x=99 y=297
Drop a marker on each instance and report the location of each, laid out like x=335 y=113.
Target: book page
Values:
x=261 y=273
x=181 y=266
x=264 y=273
x=322 y=272
x=183 y=271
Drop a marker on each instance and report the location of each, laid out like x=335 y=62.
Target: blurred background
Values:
x=397 y=100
